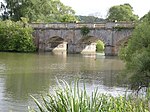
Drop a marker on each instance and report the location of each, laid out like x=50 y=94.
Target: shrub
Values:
x=99 y=46
x=16 y=36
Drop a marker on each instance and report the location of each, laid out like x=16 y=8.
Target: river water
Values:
x=25 y=74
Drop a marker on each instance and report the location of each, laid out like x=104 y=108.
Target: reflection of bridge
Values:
x=49 y=36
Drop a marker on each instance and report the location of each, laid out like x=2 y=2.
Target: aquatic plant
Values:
x=71 y=98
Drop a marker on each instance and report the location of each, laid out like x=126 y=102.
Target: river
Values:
x=25 y=74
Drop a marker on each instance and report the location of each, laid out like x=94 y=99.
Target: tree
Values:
x=39 y=10
x=137 y=55
x=121 y=13
x=145 y=17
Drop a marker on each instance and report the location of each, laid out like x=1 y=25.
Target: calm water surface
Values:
x=22 y=75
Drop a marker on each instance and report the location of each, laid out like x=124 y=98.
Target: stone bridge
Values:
x=67 y=37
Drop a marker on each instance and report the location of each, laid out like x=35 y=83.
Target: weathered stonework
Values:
x=70 y=36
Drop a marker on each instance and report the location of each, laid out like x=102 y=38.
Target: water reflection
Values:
x=22 y=75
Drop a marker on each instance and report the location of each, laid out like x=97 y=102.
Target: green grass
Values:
x=70 y=98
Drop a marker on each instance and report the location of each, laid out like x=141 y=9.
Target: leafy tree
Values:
x=121 y=13
x=137 y=55
x=40 y=10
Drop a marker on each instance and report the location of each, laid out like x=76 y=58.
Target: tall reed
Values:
x=71 y=98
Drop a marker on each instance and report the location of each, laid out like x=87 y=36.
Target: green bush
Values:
x=70 y=98
x=16 y=36
x=99 y=46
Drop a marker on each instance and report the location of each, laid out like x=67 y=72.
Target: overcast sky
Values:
x=86 y=7
x=100 y=7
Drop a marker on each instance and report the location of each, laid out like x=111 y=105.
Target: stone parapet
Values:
x=80 y=25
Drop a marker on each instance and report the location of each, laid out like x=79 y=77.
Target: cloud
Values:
x=86 y=7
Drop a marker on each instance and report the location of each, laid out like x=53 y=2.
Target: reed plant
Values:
x=71 y=98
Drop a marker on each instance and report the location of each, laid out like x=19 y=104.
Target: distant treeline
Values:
x=89 y=19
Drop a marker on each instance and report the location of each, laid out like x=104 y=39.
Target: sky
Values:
x=100 y=7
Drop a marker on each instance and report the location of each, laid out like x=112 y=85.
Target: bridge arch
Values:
x=88 y=44
x=70 y=33
x=55 y=44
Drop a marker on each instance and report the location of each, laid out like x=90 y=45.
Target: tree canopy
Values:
x=137 y=55
x=40 y=10
x=121 y=13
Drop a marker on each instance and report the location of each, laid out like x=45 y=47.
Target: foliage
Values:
x=99 y=46
x=144 y=17
x=89 y=19
x=68 y=18
x=137 y=55
x=40 y=10
x=69 y=98
x=84 y=31
x=16 y=36
x=121 y=13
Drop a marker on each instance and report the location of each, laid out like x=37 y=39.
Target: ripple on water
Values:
x=2 y=68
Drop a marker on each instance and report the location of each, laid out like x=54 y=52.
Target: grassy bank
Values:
x=70 y=98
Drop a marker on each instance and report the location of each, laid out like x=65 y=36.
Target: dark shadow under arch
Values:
x=54 y=41
x=56 y=44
